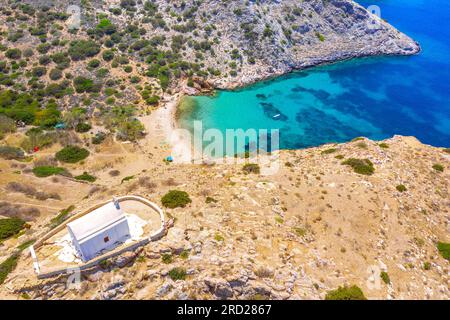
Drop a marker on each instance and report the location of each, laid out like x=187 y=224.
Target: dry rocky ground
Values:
x=310 y=227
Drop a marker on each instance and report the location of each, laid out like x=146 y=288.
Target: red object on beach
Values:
x=36 y=149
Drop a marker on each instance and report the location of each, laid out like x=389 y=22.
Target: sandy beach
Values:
x=161 y=126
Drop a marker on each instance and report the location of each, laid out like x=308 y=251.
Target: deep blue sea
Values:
x=371 y=97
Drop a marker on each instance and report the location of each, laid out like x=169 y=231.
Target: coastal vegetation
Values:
x=360 y=166
x=10 y=227
x=444 y=250
x=61 y=217
x=251 y=168
x=72 y=154
x=8 y=266
x=385 y=277
x=177 y=273
x=47 y=171
x=175 y=198
x=167 y=258
x=346 y=293
x=86 y=177
x=9 y=153
x=329 y=151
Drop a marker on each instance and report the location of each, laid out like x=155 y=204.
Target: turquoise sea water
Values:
x=372 y=97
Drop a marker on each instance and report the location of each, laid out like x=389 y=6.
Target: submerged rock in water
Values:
x=273 y=112
x=261 y=96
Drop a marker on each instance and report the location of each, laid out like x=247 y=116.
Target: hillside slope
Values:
x=307 y=229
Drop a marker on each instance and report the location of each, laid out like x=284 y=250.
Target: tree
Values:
x=105 y=27
x=83 y=84
x=130 y=130
x=74 y=117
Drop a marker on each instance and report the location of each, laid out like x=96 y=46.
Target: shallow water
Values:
x=371 y=97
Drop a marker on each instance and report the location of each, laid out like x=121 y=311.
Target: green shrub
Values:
x=383 y=145
x=426 y=265
x=94 y=63
x=41 y=139
x=385 y=277
x=39 y=71
x=210 y=200
x=18 y=106
x=251 y=168
x=13 y=54
x=86 y=177
x=152 y=100
x=105 y=264
x=320 y=36
x=10 y=153
x=55 y=74
x=328 y=151
x=26 y=244
x=135 y=79
x=8 y=266
x=108 y=55
x=444 y=250
x=105 y=27
x=72 y=154
x=102 y=72
x=44 y=60
x=130 y=130
x=346 y=293
x=83 y=127
x=128 y=178
x=362 y=145
x=47 y=171
x=279 y=219
x=184 y=254
x=177 y=274
x=175 y=199
x=83 y=84
x=25 y=296
x=360 y=166
x=82 y=49
x=438 y=167
x=98 y=138
x=301 y=232
x=10 y=227
x=401 y=188
x=167 y=258
x=219 y=238
x=61 y=217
